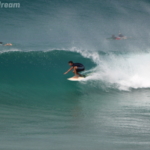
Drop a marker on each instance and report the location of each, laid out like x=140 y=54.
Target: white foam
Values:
x=9 y=50
x=124 y=71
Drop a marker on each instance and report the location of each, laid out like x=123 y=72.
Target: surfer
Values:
x=76 y=67
x=8 y=44
x=121 y=36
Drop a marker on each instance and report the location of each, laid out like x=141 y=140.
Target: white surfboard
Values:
x=76 y=79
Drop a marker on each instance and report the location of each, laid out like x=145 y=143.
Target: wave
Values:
x=110 y=70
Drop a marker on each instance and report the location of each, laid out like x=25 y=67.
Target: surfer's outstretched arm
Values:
x=68 y=70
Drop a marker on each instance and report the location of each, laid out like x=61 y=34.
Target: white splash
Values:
x=122 y=71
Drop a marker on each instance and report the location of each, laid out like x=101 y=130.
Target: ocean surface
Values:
x=40 y=109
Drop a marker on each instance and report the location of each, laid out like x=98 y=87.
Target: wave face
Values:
x=36 y=73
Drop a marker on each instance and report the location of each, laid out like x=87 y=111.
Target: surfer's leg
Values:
x=79 y=74
x=76 y=72
x=79 y=70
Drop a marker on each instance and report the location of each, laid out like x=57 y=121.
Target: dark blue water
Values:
x=40 y=109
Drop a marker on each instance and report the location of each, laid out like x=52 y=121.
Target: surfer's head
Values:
x=70 y=63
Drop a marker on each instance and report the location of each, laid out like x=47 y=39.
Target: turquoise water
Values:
x=41 y=110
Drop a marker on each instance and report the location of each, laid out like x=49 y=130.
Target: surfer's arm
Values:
x=68 y=70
